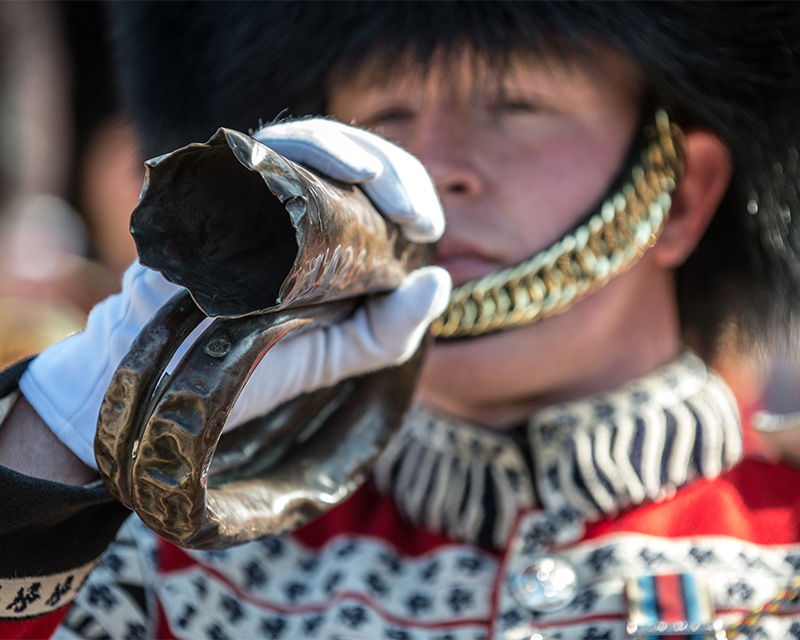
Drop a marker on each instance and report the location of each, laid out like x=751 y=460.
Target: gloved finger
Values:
x=395 y=181
x=385 y=331
x=403 y=191
x=322 y=145
x=144 y=291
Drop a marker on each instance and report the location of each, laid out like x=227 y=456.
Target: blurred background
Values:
x=69 y=172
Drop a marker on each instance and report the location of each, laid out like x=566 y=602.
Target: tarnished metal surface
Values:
x=126 y=404
x=212 y=227
x=275 y=249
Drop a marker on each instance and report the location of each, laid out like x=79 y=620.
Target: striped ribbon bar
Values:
x=676 y=606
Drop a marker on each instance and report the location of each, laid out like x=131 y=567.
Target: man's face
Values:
x=518 y=159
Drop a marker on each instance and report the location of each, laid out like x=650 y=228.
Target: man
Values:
x=572 y=469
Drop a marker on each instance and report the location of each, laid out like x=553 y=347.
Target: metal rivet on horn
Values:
x=218 y=347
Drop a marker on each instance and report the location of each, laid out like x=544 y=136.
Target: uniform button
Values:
x=549 y=583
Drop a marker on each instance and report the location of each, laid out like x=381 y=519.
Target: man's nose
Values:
x=445 y=145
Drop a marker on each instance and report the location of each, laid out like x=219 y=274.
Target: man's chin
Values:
x=471 y=367
x=475 y=379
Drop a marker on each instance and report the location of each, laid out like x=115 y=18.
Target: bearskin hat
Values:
x=187 y=68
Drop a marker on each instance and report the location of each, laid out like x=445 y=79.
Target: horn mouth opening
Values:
x=221 y=231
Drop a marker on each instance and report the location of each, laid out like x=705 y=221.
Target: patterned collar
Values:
x=597 y=456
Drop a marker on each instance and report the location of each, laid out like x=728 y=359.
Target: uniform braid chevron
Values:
x=594 y=457
x=639 y=444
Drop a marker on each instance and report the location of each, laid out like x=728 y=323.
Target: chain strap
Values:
x=609 y=243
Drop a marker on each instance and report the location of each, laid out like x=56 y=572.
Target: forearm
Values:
x=28 y=446
x=53 y=526
x=51 y=535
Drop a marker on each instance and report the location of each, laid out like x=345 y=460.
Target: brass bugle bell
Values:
x=269 y=249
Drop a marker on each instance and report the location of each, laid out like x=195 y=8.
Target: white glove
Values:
x=394 y=180
x=66 y=383
x=385 y=331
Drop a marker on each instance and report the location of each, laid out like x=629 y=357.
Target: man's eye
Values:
x=387 y=117
x=517 y=106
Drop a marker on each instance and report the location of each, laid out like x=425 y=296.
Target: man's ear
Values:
x=704 y=183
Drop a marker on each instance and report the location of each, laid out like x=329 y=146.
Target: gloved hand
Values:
x=385 y=331
x=393 y=179
x=66 y=383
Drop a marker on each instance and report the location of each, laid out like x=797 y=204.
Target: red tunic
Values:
x=363 y=570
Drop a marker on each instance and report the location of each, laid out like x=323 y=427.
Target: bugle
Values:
x=269 y=249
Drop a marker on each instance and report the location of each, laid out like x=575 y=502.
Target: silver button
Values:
x=549 y=583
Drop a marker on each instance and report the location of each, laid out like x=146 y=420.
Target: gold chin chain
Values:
x=609 y=243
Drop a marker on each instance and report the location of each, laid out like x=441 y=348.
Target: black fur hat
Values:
x=188 y=68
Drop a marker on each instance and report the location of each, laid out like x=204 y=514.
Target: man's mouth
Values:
x=465 y=267
x=463 y=260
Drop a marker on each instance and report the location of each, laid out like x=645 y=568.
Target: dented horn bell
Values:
x=269 y=249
